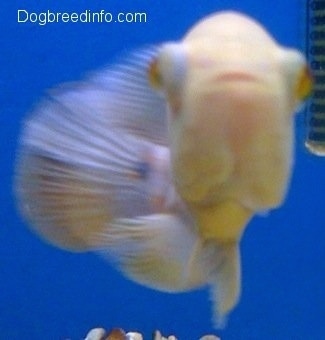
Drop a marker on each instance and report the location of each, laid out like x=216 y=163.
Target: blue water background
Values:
x=46 y=293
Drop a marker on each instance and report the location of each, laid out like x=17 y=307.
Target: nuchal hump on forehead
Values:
x=160 y=161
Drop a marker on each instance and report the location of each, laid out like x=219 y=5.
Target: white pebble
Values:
x=134 y=336
x=96 y=334
x=158 y=336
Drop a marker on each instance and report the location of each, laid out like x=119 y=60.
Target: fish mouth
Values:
x=237 y=76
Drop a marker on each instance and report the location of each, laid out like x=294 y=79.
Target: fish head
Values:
x=231 y=90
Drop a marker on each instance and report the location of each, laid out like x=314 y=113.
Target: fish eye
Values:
x=154 y=75
x=304 y=84
x=168 y=69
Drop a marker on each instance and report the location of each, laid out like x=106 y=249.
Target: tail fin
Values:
x=153 y=250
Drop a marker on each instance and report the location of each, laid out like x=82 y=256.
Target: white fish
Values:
x=160 y=161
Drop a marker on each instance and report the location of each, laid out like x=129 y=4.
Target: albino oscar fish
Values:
x=160 y=161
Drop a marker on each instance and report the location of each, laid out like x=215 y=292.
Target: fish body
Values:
x=159 y=162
